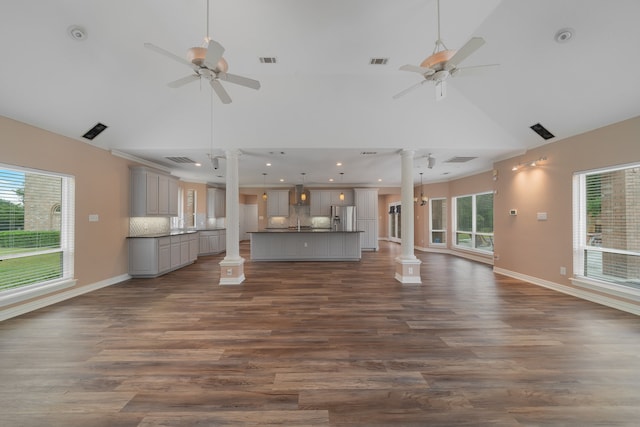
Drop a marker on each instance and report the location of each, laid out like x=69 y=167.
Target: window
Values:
x=438 y=221
x=36 y=229
x=607 y=226
x=474 y=222
x=395 y=222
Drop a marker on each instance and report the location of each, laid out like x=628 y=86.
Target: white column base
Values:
x=232 y=271
x=408 y=270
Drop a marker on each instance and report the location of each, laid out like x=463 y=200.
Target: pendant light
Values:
x=341 y=181
x=423 y=199
x=264 y=185
x=303 y=195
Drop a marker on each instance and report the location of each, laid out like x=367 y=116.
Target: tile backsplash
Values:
x=299 y=213
x=139 y=226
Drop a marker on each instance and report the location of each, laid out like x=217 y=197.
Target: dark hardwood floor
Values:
x=322 y=344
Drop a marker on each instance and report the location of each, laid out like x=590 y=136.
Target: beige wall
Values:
x=539 y=248
x=102 y=187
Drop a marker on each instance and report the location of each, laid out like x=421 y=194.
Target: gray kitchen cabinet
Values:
x=212 y=242
x=348 y=197
x=320 y=202
x=152 y=193
x=366 y=202
x=153 y=256
x=216 y=203
x=278 y=203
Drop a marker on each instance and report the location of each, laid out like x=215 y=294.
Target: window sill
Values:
x=34 y=291
x=619 y=291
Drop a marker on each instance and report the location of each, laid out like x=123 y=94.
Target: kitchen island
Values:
x=305 y=245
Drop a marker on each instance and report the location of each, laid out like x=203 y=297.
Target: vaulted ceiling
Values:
x=322 y=102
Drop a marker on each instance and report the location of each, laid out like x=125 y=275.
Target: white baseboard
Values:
x=598 y=298
x=56 y=298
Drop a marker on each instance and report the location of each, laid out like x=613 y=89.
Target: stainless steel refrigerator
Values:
x=343 y=218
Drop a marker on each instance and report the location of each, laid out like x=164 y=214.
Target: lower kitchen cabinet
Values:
x=212 y=242
x=153 y=256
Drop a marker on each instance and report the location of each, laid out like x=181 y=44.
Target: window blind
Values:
x=36 y=227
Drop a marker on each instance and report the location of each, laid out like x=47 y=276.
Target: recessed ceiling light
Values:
x=339 y=164
x=379 y=179
x=330 y=179
x=197 y=164
x=281 y=179
x=268 y=164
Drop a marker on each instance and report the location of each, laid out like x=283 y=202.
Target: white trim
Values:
x=53 y=299
x=139 y=160
x=408 y=280
x=578 y=293
x=231 y=281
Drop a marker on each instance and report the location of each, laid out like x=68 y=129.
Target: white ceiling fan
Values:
x=207 y=62
x=443 y=64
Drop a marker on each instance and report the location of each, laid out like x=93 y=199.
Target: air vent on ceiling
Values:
x=368 y=153
x=95 y=131
x=460 y=159
x=268 y=60
x=180 y=159
x=542 y=131
x=379 y=61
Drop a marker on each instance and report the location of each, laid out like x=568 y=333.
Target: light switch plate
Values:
x=542 y=216
x=94 y=218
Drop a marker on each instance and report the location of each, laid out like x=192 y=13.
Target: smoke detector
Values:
x=77 y=33
x=564 y=35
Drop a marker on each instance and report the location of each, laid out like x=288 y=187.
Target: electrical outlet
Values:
x=410 y=270
x=229 y=271
x=563 y=271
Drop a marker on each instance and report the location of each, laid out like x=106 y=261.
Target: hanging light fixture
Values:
x=341 y=181
x=303 y=195
x=264 y=185
x=423 y=199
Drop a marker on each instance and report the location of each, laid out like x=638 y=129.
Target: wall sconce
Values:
x=423 y=199
x=264 y=185
x=528 y=163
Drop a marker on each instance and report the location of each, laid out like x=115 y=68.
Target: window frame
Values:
x=474 y=233
x=581 y=244
x=67 y=243
x=444 y=222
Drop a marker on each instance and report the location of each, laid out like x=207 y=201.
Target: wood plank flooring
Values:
x=328 y=344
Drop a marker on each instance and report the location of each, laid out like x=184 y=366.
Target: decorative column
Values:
x=232 y=266
x=407 y=265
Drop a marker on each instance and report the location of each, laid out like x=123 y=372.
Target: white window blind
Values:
x=607 y=231
x=36 y=228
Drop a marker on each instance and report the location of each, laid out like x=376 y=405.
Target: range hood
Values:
x=301 y=196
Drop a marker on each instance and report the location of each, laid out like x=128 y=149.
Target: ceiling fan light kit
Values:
x=442 y=63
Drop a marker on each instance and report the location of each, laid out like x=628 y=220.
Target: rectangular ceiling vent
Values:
x=268 y=60
x=368 y=153
x=460 y=159
x=542 y=131
x=94 y=131
x=379 y=61
x=180 y=159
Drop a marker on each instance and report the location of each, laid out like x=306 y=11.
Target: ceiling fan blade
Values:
x=474 y=69
x=239 y=80
x=214 y=53
x=168 y=54
x=416 y=69
x=409 y=89
x=220 y=91
x=471 y=46
x=183 y=81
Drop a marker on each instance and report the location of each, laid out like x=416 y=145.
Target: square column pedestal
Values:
x=408 y=270
x=232 y=271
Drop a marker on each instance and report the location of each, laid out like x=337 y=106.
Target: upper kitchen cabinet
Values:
x=278 y=203
x=348 y=197
x=153 y=193
x=216 y=203
x=322 y=200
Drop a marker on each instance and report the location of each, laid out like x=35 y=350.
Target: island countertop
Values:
x=303 y=230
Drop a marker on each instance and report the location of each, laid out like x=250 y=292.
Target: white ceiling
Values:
x=322 y=102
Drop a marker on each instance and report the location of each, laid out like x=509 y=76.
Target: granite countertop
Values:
x=173 y=233
x=303 y=230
